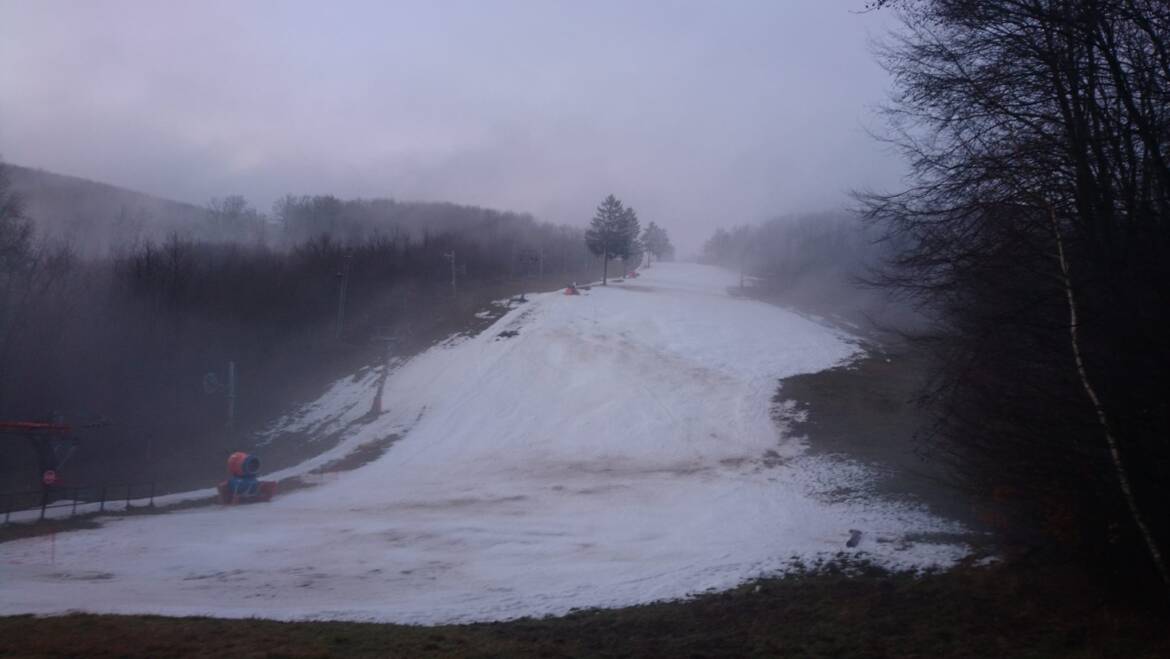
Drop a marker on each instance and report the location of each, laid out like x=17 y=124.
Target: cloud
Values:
x=698 y=114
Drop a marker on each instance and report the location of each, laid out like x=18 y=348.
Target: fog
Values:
x=697 y=114
x=785 y=324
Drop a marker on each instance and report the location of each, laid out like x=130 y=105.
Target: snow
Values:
x=610 y=452
x=344 y=403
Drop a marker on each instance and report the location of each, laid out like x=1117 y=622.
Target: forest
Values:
x=124 y=340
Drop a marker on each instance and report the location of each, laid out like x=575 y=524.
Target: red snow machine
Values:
x=242 y=485
x=571 y=289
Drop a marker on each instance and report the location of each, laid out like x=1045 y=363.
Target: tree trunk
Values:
x=1114 y=451
x=604 y=268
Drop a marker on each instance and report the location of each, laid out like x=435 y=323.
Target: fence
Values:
x=23 y=506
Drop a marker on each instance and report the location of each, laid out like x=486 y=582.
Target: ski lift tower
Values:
x=53 y=443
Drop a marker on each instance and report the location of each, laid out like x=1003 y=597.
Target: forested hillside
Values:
x=94 y=218
x=124 y=330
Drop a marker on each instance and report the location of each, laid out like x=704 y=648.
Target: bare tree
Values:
x=1025 y=119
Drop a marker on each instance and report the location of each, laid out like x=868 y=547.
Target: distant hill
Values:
x=96 y=218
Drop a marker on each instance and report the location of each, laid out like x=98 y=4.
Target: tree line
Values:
x=128 y=337
x=788 y=249
x=1035 y=235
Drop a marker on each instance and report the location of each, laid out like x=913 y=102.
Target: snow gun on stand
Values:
x=242 y=485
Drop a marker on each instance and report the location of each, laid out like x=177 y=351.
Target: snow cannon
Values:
x=571 y=289
x=243 y=464
x=242 y=485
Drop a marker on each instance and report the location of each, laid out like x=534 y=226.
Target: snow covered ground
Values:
x=619 y=448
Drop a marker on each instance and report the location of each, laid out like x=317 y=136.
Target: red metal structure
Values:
x=52 y=443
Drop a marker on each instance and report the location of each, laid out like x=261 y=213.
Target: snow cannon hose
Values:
x=243 y=464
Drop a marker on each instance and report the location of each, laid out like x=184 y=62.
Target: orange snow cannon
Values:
x=242 y=485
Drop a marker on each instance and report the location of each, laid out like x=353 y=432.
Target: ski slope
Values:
x=611 y=452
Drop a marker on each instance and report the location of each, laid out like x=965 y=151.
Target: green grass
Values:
x=1004 y=611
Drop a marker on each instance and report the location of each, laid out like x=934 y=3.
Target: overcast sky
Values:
x=698 y=114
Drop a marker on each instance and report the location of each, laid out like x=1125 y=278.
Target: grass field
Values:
x=1002 y=611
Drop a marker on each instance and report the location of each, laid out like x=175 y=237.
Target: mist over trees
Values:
x=233 y=219
x=94 y=219
x=657 y=242
x=815 y=261
x=15 y=230
x=127 y=336
x=789 y=248
x=1036 y=235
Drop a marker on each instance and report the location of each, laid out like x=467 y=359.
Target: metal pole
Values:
x=451 y=257
x=76 y=493
x=102 y=505
x=150 y=463
x=343 y=285
x=231 y=395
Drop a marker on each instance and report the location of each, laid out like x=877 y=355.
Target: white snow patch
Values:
x=611 y=452
x=346 y=401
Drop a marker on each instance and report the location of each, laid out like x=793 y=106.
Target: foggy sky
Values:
x=698 y=114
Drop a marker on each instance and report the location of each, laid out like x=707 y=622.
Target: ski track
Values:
x=610 y=453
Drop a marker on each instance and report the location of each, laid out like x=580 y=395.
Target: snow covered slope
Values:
x=610 y=452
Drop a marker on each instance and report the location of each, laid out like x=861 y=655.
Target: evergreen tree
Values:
x=637 y=253
x=612 y=233
x=657 y=242
x=634 y=247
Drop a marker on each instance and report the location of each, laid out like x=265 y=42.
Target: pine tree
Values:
x=637 y=253
x=630 y=231
x=657 y=242
x=612 y=232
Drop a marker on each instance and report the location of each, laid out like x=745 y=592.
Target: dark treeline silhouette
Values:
x=1037 y=232
x=128 y=338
